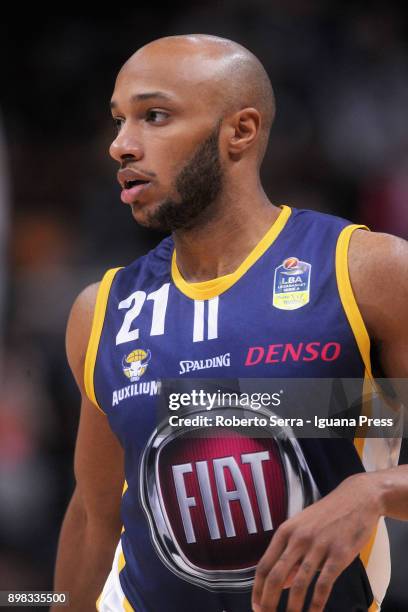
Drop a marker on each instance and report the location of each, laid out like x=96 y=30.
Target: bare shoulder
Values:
x=79 y=329
x=98 y=462
x=378 y=265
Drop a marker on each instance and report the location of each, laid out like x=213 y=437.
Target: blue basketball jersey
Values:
x=198 y=513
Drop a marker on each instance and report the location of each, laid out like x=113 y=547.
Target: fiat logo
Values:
x=214 y=496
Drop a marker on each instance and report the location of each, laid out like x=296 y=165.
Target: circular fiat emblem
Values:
x=215 y=496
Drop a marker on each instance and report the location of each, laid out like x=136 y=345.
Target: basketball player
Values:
x=193 y=115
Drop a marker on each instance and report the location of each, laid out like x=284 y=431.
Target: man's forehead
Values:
x=177 y=75
x=171 y=65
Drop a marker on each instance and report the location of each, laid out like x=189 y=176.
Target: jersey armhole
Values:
x=347 y=296
x=361 y=442
x=96 y=331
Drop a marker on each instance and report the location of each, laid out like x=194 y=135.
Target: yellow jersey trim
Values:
x=125 y=488
x=121 y=564
x=360 y=332
x=347 y=297
x=126 y=606
x=96 y=331
x=359 y=443
x=367 y=410
x=206 y=290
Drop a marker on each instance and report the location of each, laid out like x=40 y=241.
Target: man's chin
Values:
x=148 y=216
x=168 y=216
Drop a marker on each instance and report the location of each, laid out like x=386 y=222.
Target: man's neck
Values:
x=220 y=245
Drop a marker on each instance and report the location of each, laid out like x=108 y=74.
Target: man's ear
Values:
x=244 y=127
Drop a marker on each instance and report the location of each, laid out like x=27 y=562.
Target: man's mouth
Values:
x=130 y=184
x=132 y=190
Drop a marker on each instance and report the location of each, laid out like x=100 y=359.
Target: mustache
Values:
x=140 y=170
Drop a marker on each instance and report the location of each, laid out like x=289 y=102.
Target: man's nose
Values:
x=126 y=144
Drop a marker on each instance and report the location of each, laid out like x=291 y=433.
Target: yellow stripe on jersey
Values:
x=360 y=332
x=125 y=488
x=96 y=331
x=370 y=388
x=121 y=564
x=126 y=606
x=359 y=443
x=347 y=297
x=98 y=601
x=366 y=551
x=367 y=398
x=206 y=290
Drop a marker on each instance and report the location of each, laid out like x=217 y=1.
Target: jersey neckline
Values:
x=206 y=290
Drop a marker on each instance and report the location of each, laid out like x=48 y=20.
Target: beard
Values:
x=198 y=185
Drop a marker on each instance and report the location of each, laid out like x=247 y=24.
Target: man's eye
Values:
x=118 y=123
x=156 y=116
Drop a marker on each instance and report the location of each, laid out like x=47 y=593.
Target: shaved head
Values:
x=221 y=70
x=193 y=115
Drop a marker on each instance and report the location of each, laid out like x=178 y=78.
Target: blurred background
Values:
x=339 y=145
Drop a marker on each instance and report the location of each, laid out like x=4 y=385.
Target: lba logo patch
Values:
x=291 y=284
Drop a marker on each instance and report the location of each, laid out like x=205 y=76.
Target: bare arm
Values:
x=383 y=302
x=91 y=527
x=329 y=534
